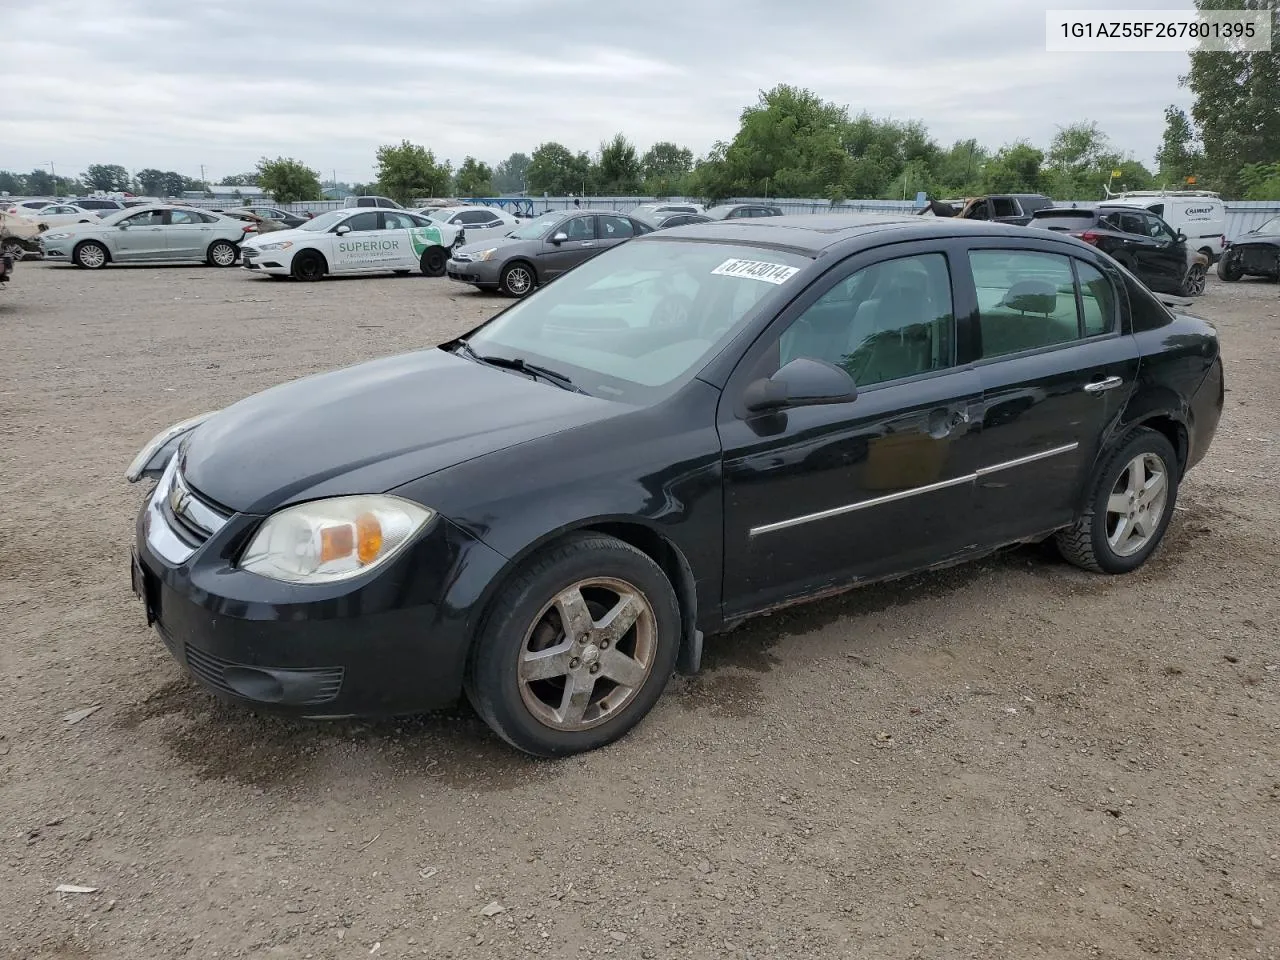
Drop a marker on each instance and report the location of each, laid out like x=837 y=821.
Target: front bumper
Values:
x=479 y=273
x=57 y=250
x=257 y=261
x=390 y=643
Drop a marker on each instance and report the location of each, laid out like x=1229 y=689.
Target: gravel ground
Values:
x=1008 y=759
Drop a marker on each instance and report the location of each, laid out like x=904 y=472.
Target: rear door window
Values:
x=1026 y=300
x=1005 y=207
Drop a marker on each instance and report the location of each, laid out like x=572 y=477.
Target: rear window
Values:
x=1064 y=220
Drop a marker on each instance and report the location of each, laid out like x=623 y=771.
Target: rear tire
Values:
x=309 y=265
x=222 y=253
x=91 y=255
x=1193 y=282
x=546 y=672
x=433 y=261
x=1131 y=499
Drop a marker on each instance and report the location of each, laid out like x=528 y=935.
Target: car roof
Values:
x=814 y=233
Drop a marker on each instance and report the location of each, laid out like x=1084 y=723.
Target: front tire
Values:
x=309 y=265
x=222 y=253
x=1230 y=268
x=433 y=262
x=12 y=248
x=1131 y=501
x=577 y=648
x=517 y=280
x=91 y=255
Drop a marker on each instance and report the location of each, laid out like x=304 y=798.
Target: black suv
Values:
x=1140 y=241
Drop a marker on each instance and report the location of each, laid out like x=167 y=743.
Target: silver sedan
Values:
x=154 y=233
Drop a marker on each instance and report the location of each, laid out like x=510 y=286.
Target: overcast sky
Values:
x=174 y=85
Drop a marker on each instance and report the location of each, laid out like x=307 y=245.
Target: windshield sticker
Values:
x=775 y=273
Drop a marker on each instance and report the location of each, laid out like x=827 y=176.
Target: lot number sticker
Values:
x=775 y=273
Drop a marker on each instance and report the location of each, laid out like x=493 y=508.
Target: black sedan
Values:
x=1138 y=239
x=1256 y=254
x=552 y=510
x=537 y=252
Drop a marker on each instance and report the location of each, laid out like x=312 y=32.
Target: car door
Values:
x=186 y=234
x=139 y=237
x=1167 y=255
x=578 y=244
x=1055 y=369
x=820 y=496
x=397 y=227
x=358 y=247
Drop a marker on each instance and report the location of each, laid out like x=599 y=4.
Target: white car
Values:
x=480 y=223
x=352 y=240
x=60 y=214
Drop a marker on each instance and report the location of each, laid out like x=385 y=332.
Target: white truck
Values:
x=1199 y=214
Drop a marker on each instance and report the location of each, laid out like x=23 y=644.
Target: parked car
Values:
x=1140 y=241
x=282 y=217
x=60 y=214
x=1015 y=208
x=665 y=219
x=99 y=205
x=1255 y=254
x=372 y=202
x=260 y=224
x=25 y=208
x=650 y=211
x=734 y=211
x=551 y=511
x=19 y=236
x=541 y=249
x=351 y=241
x=1199 y=214
x=148 y=234
x=474 y=223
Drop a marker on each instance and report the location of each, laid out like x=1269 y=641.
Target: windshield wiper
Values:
x=522 y=366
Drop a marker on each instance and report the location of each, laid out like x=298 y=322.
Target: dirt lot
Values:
x=1010 y=759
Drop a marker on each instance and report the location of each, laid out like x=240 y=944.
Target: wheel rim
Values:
x=435 y=262
x=519 y=280
x=587 y=654
x=224 y=255
x=12 y=249
x=1136 y=504
x=1195 y=282
x=92 y=255
x=309 y=268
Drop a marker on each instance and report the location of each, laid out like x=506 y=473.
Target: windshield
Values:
x=534 y=229
x=636 y=322
x=325 y=221
x=1269 y=229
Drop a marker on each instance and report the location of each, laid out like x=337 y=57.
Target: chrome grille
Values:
x=192 y=517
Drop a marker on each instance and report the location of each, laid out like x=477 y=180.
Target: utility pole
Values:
x=202 y=179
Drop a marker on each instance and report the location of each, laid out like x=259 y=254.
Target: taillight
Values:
x=1088 y=236
x=250 y=228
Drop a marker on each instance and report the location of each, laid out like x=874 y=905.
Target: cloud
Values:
x=171 y=85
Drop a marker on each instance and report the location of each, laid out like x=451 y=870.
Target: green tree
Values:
x=1261 y=181
x=957 y=172
x=555 y=170
x=1178 y=156
x=408 y=170
x=107 y=177
x=789 y=143
x=12 y=183
x=241 y=180
x=474 y=179
x=1080 y=161
x=151 y=182
x=288 y=180
x=1015 y=168
x=509 y=177
x=1236 y=102
x=618 y=170
x=664 y=166
x=41 y=183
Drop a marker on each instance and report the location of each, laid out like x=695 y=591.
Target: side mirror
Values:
x=342 y=230
x=122 y=226
x=1182 y=237
x=804 y=382
x=560 y=238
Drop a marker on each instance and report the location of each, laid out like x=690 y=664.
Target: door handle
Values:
x=1100 y=386
x=588 y=243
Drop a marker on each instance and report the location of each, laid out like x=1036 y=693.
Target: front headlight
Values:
x=280 y=245
x=55 y=236
x=154 y=457
x=335 y=539
x=484 y=254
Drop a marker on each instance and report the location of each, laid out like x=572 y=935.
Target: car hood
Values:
x=372 y=427
x=1256 y=238
x=488 y=244
x=275 y=236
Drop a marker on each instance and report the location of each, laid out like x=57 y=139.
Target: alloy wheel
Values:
x=519 y=280
x=1195 y=281
x=1136 y=504
x=223 y=254
x=11 y=248
x=91 y=256
x=587 y=654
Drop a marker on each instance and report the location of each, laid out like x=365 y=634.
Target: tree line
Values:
x=793 y=143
